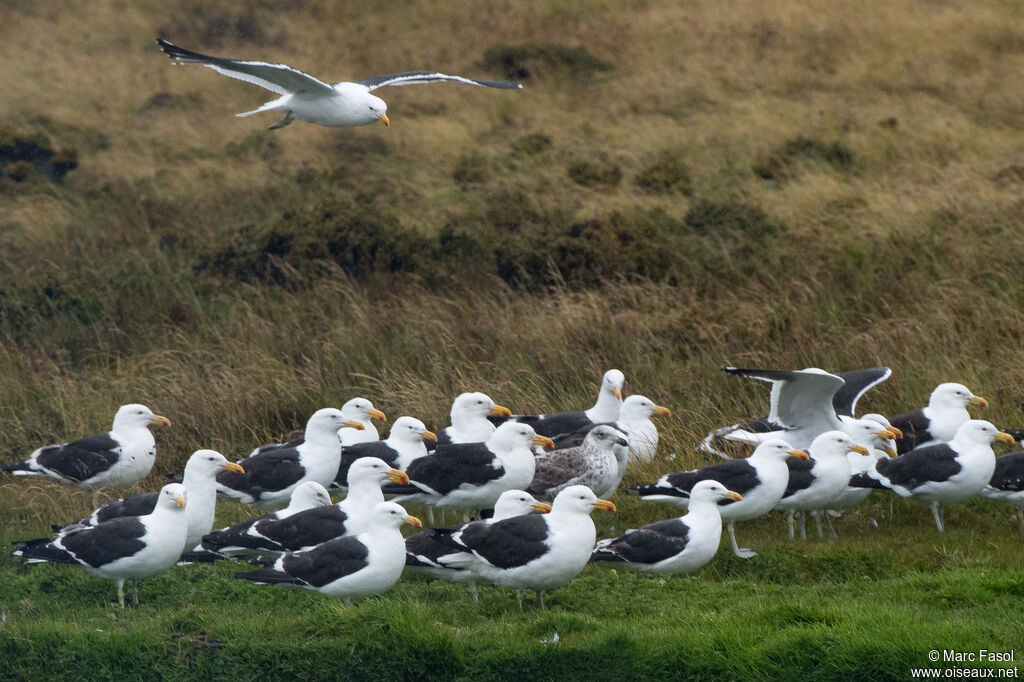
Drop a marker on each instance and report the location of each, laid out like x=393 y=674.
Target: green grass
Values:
x=782 y=184
x=869 y=605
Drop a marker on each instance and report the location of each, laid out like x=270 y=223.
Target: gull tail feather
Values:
x=272 y=105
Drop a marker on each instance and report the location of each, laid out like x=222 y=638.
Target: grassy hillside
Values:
x=678 y=186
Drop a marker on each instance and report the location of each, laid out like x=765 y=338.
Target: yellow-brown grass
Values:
x=909 y=257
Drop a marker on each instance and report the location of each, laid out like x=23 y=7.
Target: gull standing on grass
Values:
x=362 y=412
x=313 y=526
x=404 y=445
x=942 y=473
x=271 y=473
x=1007 y=482
x=117 y=459
x=592 y=463
x=125 y=548
x=424 y=550
x=534 y=551
x=309 y=99
x=556 y=425
x=472 y=476
x=816 y=483
x=679 y=545
x=469 y=419
x=348 y=567
x=939 y=421
x=760 y=479
x=308 y=495
x=199 y=479
x=634 y=420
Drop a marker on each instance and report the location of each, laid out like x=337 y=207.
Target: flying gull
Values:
x=309 y=99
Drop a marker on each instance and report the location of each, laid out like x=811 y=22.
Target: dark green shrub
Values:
x=584 y=253
x=510 y=210
x=708 y=218
x=593 y=173
x=534 y=143
x=783 y=162
x=357 y=235
x=255 y=144
x=668 y=173
x=170 y=101
x=471 y=169
x=727 y=244
x=40 y=155
x=523 y=62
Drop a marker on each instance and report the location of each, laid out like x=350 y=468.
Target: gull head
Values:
x=137 y=416
x=378 y=109
x=981 y=432
x=954 y=396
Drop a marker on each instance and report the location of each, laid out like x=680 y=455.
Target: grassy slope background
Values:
x=781 y=184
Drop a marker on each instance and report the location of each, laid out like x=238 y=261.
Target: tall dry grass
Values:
x=907 y=256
